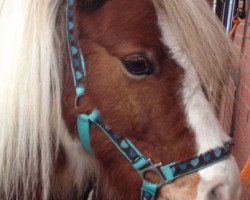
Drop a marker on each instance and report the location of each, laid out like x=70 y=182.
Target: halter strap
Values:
x=167 y=173
x=77 y=62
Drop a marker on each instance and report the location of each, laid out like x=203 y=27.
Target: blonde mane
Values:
x=30 y=95
x=199 y=33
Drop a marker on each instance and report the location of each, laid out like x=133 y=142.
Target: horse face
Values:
x=147 y=90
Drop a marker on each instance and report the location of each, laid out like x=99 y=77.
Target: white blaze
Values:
x=201 y=119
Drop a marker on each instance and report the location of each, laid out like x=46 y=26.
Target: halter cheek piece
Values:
x=167 y=173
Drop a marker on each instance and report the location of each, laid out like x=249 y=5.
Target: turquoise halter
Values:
x=167 y=173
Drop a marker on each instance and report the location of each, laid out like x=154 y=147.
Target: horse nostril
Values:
x=215 y=193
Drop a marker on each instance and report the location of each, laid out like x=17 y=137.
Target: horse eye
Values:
x=138 y=64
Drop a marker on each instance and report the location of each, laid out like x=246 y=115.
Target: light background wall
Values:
x=242 y=121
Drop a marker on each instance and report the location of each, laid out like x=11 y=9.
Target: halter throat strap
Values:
x=167 y=173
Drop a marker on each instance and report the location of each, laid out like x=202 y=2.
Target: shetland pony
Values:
x=170 y=114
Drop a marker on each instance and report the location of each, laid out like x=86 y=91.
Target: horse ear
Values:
x=90 y=5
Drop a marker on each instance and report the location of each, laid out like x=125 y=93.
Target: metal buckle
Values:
x=154 y=168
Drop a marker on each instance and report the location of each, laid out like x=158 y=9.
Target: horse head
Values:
x=145 y=84
x=154 y=71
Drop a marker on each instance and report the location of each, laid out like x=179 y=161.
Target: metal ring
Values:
x=76 y=102
x=154 y=168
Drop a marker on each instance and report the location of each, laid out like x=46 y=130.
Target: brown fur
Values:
x=148 y=111
x=184 y=189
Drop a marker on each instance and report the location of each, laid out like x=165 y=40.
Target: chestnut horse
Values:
x=154 y=71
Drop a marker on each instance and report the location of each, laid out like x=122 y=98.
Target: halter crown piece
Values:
x=167 y=173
